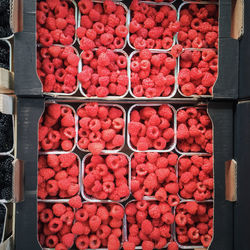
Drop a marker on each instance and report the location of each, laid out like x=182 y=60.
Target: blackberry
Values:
x=6 y=173
x=4 y=5
x=6 y=193
x=6 y=132
x=5 y=29
x=2 y=219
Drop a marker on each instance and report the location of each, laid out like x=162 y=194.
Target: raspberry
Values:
x=75 y=202
x=154 y=211
x=146 y=227
x=127 y=245
x=173 y=246
x=113 y=241
x=94 y=242
x=68 y=240
x=147 y=245
x=82 y=242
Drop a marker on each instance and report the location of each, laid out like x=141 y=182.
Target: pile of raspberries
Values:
x=104 y=73
x=100 y=128
x=152 y=26
x=194 y=223
x=149 y=225
x=55 y=22
x=102 y=24
x=194 y=131
x=93 y=225
x=106 y=177
x=58 y=176
x=198 y=26
x=154 y=174
x=152 y=74
x=151 y=128
x=57 y=68
x=57 y=128
x=196 y=177
x=198 y=72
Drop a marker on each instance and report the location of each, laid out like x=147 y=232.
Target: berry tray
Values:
x=56 y=198
x=109 y=97
x=156 y=5
x=85 y=161
x=3 y=210
x=107 y=151
x=168 y=147
x=117 y=2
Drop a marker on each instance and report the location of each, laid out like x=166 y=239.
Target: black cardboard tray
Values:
x=29 y=111
x=28 y=84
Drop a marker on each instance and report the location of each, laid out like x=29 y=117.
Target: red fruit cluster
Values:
x=55 y=222
x=55 y=22
x=99 y=225
x=194 y=130
x=104 y=73
x=198 y=26
x=56 y=128
x=198 y=72
x=57 y=69
x=106 y=177
x=152 y=74
x=102 y=24
x=196 y=177
x=100 y=127
x=149 y=224
x=152 y=26
x=57 y=176
x=194 y=223
x=154 y=174
x=151 y=127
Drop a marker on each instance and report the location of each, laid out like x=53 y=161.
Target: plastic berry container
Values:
x=79 y=67
x=3 y=209
x=126 y=229
x=174 y=72
x=12 y=199
x=135 y=175
x=57 y=198
x=10 y=150
x=178 y=140
x=178 y=171
x=85 y=161
x=74 y=141
x=10 y=52
x=109 y=97
x=170 y=146
x=184 y=5
x=155 y=5
x=189 y=245
x=73 y=4
x=105 y=150
x=40 y=235
x=118 y=3
x=122 y=228
x=214 y=62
